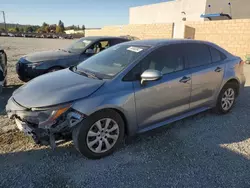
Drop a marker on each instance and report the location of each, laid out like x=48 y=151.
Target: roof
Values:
x=159 y=42
x=156 y=42
x=102 y=37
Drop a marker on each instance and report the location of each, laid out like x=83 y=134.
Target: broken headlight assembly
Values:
x=47 y=117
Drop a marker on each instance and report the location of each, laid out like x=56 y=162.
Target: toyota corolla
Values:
x=127 y=89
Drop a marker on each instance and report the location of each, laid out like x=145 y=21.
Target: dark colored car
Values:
x=3 y=69
x=35 y=64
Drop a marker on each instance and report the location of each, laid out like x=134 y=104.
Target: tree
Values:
x=58 y=29
x=46 y=29
x=45 y=24
x=83 y=27
x=61 y=25
x=11 y=29
x=39 y=30
x=52 y=28
x=17 y=29
x=29 y=29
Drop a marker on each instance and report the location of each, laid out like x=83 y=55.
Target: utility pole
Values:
x=4 y=21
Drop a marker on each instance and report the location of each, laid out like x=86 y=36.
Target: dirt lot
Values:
x=206 y=150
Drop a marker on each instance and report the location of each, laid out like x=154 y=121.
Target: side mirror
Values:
x=150 y=75
x=90 y=52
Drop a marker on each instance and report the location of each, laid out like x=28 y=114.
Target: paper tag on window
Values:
x=134 y=49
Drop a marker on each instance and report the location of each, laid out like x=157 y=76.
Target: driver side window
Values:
x=166 y=59
x=99 y=46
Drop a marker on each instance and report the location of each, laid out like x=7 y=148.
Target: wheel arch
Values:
x=128 y=131
x=236 y=82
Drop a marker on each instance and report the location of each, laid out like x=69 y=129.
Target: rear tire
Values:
x=226 y=99
x=5 y=83
x=99 y=135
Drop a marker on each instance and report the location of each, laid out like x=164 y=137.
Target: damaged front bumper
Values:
x=46 y=132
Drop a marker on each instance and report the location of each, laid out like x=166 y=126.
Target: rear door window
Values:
x=198 y=54
x=216 y=55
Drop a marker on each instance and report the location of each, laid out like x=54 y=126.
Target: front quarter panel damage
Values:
x=119 y=97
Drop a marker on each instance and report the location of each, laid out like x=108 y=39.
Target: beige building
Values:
x=190 y=10
x=179 y=11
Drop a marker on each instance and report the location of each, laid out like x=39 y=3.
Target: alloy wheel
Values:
x=102 y=135
x=228 y=99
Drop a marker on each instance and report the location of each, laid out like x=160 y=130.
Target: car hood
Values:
x=55 y=88
x=47 y=55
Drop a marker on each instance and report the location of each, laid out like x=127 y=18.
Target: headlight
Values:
x=44 y=117
x=49 y=117
x=34 y=65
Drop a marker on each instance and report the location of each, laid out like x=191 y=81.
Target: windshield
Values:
x=110 y=62
x=79 y=45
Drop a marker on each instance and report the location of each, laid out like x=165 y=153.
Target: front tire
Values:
x=99 y=135
x=226 y=99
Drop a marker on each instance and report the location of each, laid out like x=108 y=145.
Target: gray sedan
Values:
x=127 y=89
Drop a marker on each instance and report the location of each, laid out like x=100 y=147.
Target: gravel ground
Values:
x=205 y=150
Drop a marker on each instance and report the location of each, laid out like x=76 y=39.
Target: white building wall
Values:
x=168 y=12
x=240 y=9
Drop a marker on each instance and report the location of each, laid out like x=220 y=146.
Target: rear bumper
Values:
x=242 y=83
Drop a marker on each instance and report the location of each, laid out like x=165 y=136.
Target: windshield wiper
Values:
x=85 y=73
x=90 y=75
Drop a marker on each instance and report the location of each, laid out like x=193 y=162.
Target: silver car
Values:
x=127 y=89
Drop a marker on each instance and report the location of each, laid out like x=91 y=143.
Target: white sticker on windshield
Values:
x=134 y=49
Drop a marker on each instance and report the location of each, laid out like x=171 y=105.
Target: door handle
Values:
x=185 y=79
x=218 y=69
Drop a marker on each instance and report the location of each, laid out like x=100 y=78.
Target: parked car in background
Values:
x=35 y=64
x=11 y=35
x=3 y=69
x=55 y=36
x=130 y=37
x=127 y=89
